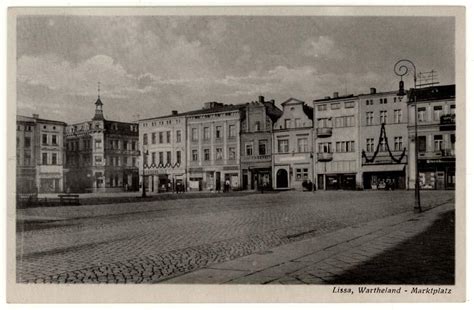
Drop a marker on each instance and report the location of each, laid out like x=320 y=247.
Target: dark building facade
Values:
x=102 y=155
x=435 y=109
x=256 y=143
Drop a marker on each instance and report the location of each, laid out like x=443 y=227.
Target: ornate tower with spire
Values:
x=99 y=113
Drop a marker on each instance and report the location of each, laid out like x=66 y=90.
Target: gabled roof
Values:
x=292 y=101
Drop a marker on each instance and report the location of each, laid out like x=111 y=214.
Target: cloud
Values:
x=323 y=46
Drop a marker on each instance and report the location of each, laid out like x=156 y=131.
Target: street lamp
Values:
x=144 y=153
x=401 y=68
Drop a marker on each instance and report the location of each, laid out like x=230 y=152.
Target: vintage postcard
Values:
x=217 y=154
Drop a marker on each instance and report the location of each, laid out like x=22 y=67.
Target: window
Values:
x=194 y=134
x=54 y=159
x=287 y=123
x=145 y=139
x=262 y=147
x=335 y=106
x=219 y=153
x=168 y=157
x=283 y=146
x=325 y=147
x=231 y=152
x=153 y=158
x=369 y=117
x=301 y=173
x=126 y=145
x=324 y=122
x=422 y=143
x=54 y=140
x=160 y=155
x=452 y=109
x=398 y=143
x=145 y=159
x=160 y=137
x=302 y=145
x=27 y=159
x=44 y=158
x=98 y=159
x=178 y=157
x=194 y=154
x=168 y=137
x=134 y=162
x=125 y=161
x=27 y=141
x=437 y=111
x=370 y=145
x=394 y=99
x=298 y=122
x=218 y=132
x=98 y=143
x=178 y=136
x=134 y=145
x=248 y=149
x=383 y=145
x=344 y=146
x=45 y=139
x=438 y=142
x=397 y=116
x=349 y=105
x=257 y=126
x=232 y=131
x=322 y=107
x=153 y=138
x=207 y=133
x=421 y=114
x=383 y=117
x=207 y=154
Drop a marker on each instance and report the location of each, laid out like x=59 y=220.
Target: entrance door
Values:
x=218 y=181
x=282 y=178
x=320 y=181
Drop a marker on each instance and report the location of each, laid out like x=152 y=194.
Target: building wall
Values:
x=40 y=161
x=292 y=163
x=160 y=173
x=396 y=120
x=94 y=164
x=337 y=123
x=256 y=161
x=204 y=173
x=437 y=160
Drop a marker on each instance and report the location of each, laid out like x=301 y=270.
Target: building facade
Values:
x=40 y=155
x=292 y=147
x=383 y=139
x=337 y=160
x=436 y=121
x=213 y=146
x=102 y=155
x=256 y=143
x=163 y=145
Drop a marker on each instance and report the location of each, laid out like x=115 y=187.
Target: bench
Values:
x=69 y=199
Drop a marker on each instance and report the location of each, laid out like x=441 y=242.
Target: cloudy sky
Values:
x=149 y=66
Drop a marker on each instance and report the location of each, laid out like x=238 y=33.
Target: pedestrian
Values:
x=227 y=185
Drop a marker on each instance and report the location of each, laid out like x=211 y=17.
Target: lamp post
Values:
x=401 y=69
x=144 y=153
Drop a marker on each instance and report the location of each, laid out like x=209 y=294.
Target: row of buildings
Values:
x=363 y=141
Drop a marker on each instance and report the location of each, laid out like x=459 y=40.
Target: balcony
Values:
x=447 y=122
x=324 y=156
x=324 y=132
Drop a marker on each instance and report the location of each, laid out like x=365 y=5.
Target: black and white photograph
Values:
x=238 y=148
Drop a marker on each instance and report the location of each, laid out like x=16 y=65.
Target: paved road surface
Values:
x=149 y=242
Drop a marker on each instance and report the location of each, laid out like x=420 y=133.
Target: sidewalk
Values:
x=403 y=249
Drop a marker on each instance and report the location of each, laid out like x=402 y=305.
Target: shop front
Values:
x=292 y=172
x=256 y=178
x=437 y=174
x=389 y=177
x=346 y=181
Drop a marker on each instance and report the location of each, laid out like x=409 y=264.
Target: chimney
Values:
x=174 y=112
x=335 y=95
x=372 y=90
x=35 y=115
x=261 y=99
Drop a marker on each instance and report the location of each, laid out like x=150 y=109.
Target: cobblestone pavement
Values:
x=152 y=241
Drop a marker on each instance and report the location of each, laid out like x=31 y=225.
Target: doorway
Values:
x=282 y=178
